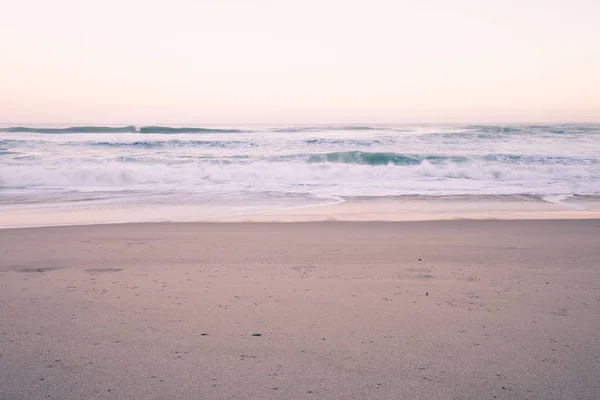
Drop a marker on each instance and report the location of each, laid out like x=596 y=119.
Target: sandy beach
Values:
x=320 y=310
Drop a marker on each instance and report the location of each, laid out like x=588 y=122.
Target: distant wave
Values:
x=175 y=130
x=118 y=129
x=72 y=129
x=294 y=129
x=495 y=128
x=534 y=129
x=158 y=144
x=168 y=129
x=345 y=142
x=482 y=131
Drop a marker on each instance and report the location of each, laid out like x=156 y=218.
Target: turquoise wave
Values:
x=386 y=158
x=168 y=129
x=376 y=158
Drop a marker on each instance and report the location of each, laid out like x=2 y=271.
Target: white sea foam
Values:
x=334 y=178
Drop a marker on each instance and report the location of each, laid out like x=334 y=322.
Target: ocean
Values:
x=199 y=173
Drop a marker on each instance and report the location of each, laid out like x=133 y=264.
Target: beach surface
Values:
x=458 y=309
x=351 y=209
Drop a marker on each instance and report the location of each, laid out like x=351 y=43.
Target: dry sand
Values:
x=399 y=310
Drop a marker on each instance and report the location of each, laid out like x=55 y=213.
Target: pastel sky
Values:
x=301 y=61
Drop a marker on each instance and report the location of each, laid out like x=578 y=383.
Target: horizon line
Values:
x=316 y=124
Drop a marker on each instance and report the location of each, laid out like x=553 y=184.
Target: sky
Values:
x=309 y=61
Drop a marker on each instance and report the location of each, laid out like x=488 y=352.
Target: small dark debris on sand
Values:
x=257 y=334
x=103 y=270
x=34 y=270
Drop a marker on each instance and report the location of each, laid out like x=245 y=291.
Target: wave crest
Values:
x=360 y=157
x=168 y=129
x=117 y=129
x=71 y=129
x=153 y=144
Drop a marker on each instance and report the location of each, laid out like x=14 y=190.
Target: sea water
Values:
x=218 y=171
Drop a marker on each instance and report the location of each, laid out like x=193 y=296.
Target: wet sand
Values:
x=22 y=214
x=340 y=310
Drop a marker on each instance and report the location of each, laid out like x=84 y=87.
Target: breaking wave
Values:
x=412 y=177
x=375 y=158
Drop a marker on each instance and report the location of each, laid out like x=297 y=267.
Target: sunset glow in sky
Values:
x=268 y=61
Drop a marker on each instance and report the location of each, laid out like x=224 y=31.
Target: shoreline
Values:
x=235 y=222
x=367 y=209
